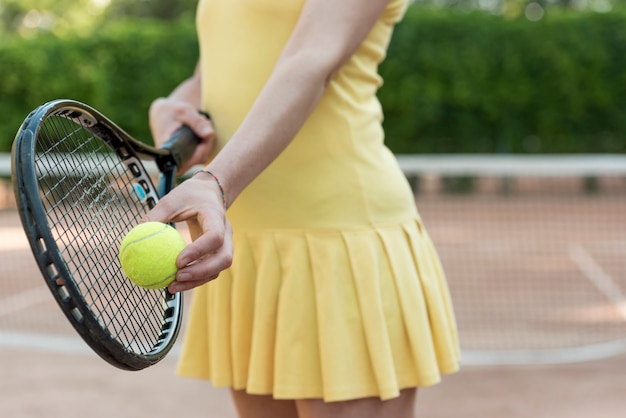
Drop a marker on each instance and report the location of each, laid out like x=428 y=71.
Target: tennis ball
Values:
x=148 y=254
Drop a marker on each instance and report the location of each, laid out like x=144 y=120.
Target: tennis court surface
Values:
x=535 y=254
x=38 y=384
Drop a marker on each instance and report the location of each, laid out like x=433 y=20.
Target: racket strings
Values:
x=88 y=196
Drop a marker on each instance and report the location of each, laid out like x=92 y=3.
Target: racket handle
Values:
x=181 y=145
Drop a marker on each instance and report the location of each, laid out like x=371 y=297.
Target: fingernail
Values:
x=181 y=277
x=182 y=261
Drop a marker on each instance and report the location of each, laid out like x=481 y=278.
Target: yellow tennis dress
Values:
x=335 y=291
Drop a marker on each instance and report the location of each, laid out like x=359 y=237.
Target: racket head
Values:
x=80 y=186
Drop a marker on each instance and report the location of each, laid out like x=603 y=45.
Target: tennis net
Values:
x=534 y=248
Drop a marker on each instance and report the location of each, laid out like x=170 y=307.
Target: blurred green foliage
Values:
x=64 y=17
x=118 y=70
x=479 y=83
x=454 y=82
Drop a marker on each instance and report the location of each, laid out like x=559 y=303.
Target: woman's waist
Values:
x=325 y=195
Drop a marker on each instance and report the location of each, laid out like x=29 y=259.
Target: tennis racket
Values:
x=81 y=184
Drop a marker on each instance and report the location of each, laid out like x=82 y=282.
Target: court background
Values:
x=45 y=370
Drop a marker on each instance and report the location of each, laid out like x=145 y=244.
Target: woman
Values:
x=333 y=303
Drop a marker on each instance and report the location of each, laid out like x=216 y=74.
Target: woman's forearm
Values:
x=326 y=36
x=181 y=108
x=190 y=90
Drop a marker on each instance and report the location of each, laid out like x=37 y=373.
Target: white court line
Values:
x=43 y=342
x=598 y=277
x=24 y=300
x=549 y=356
x=40 y=341
x=57 y=344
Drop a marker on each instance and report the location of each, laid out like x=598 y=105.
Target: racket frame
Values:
x=53 y=267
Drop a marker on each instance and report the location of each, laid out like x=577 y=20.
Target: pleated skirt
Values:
x=329 y=314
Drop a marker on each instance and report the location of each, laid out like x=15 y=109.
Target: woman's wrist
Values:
x=217 y=181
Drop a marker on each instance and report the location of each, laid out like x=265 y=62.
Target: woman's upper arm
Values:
x=331 y=31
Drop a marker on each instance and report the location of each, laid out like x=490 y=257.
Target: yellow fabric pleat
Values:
x=335 y=291
x=328 y=314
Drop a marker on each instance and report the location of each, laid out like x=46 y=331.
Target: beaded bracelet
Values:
x=218 y=184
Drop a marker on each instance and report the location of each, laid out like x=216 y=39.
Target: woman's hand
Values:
x=167 y=115
x=197 y=201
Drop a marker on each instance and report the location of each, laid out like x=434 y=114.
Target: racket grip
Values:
x=181 y=145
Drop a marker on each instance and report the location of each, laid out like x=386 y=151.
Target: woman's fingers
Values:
x=206 y=268
x=203 y=128
x=211 y=251
x=209 y=243
x=177 y=286
x=167 y=115
x=198 y=122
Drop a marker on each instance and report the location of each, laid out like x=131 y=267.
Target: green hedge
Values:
x=119 y=71
x=479 y=83
x=453 y=82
